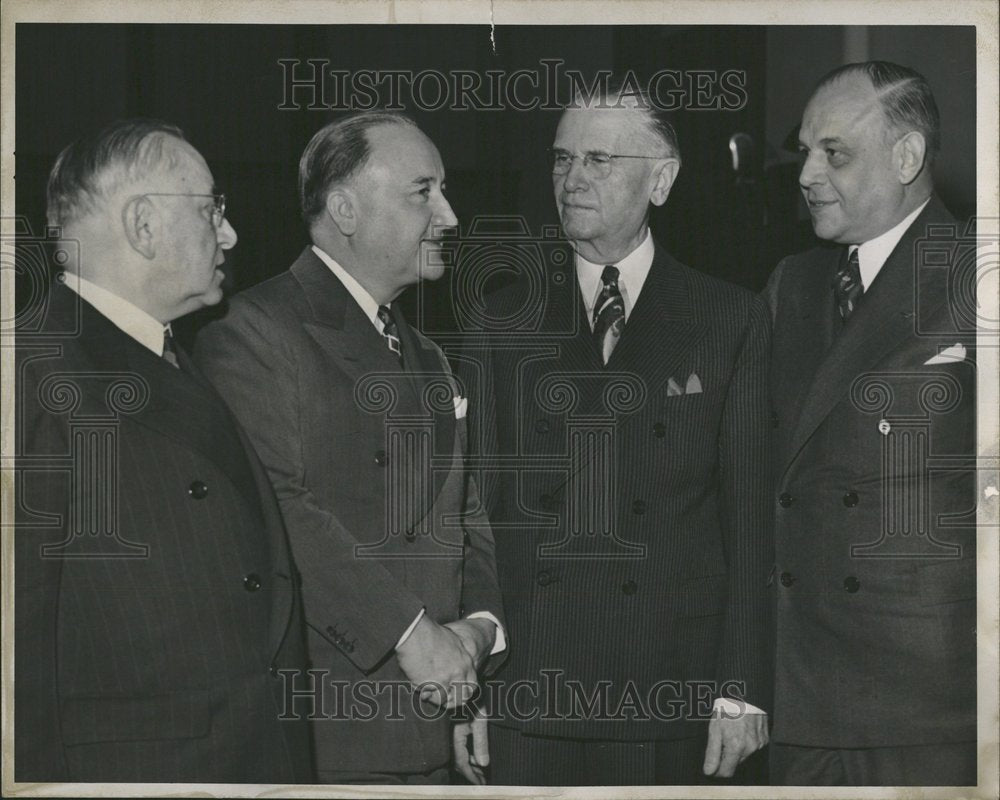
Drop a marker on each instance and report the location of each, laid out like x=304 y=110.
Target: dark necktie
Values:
x=609 y=314
x=848 y=287
x=170 y=349
x=390 y=332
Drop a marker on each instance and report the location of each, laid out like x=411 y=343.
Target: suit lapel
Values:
x=663 y=327
x=883 y=319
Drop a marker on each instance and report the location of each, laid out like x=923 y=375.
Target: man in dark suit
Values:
x=620 y=410
x=361 y=427
x=873 y=380
x=155 y=599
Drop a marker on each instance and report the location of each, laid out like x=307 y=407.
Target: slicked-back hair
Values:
x=91 y=168
x=656 y=118
x=336 y=153
x=905 y=97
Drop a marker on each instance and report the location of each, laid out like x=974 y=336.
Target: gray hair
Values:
x=336 y=153
x=904 y=95
x=94 y=166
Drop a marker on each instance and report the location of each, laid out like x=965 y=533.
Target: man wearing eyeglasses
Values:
x=155 y=600
x=630 y=501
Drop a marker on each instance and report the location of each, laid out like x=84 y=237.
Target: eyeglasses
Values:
x=218 y=210
x=596 y=164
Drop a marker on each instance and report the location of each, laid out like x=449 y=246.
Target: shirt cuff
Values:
x=731 y=709
x=408 y=631
x=500 y=642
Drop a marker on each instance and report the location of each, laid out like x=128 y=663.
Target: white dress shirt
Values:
x=129 y=318
x=632 y=272
x=370 y=309
x=873 y=254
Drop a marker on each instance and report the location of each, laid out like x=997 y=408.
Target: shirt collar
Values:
x=129 y=318
x=632 y=272
x=873 y=254
x=357 y=291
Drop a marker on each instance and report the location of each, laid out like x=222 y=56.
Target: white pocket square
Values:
x=693 y=386
x=949 y=355
x=461 y=407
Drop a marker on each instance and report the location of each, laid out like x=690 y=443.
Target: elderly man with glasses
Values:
x=622 y=428
x=156 y=606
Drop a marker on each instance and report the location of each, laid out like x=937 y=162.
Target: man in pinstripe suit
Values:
x=630 y=501
x=156 y=603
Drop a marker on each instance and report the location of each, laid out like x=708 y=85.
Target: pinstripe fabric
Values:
x=153 y=667
x=876 y=645
x=377 y=532
x=671 y=586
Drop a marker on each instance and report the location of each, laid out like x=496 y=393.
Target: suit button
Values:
x=381 y=458
x=787 y=579
x=544 y=578
x=659 y=430
x=198 y=490
x=850 y=499
x=542 y=426
x=785 y=500
x=629 y=587
x=638 y=507
x=851 y=584
x=251 y=582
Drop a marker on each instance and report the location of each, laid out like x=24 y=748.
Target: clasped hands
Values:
x=443 y=661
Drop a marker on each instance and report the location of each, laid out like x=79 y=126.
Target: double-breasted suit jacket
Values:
x=630 y=502
x=367 y=461
x=875 y=574
x=155 y=603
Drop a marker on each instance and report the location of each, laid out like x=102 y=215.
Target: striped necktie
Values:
x=170 y=349
x=609 y=314
x=390 y=332
x=847 y=286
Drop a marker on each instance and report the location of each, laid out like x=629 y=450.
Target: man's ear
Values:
x=910 y=152
x=665 y=176
x=142 y=224
x=342 y=208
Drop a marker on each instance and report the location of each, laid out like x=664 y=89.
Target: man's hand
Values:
x=432 y=654
x=731 y=740
x=477 y=635
x=468 y=763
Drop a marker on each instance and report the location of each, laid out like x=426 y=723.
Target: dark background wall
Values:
x=223 y=85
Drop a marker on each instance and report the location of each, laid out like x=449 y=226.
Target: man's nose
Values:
x=444 y=217
x=812 y=171
x=576 y=177
x=225 y=234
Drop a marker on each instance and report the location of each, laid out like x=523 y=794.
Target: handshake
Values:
x=443 y=661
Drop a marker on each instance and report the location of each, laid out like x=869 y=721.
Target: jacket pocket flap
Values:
x=115 y=718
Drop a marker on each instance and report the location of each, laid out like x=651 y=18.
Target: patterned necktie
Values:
x=390 y=332
x=609 y=314
x=848 y=287
x=170 y=349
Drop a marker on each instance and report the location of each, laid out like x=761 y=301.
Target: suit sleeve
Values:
x=480 y=585
x=745 y=464
x=357 y=604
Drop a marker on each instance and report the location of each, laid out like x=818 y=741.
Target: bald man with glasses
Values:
x=622 y=426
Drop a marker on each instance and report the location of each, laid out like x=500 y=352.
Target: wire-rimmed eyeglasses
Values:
x=218 y=210
x=595 y=163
